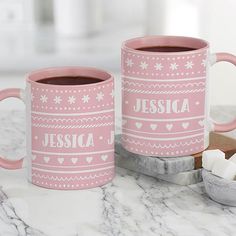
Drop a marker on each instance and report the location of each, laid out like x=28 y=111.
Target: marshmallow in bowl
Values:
x=233 y=158
x=224 y=168
x=210 y=156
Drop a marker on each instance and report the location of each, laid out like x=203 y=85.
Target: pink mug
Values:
x=70 y=127
x=165 y=108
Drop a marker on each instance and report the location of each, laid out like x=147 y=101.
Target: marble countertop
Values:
x=133 y=204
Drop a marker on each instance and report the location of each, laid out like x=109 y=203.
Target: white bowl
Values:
x=219 y=189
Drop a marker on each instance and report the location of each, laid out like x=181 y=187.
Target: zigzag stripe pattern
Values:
x=180 y=144
x=71 y=126
x=105 y=117
x=164 y=85
x=71 y=178
x=163 y=92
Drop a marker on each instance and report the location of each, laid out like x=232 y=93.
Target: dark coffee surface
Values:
x=165 y=49
x=69 y=80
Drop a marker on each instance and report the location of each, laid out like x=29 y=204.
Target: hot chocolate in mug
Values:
x=165 y=87
x=69 y=127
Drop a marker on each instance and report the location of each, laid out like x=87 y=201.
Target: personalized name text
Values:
x=161 y=106
x=68 y=140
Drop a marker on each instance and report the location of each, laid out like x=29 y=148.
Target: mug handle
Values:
x=217 y=57
x=7 y=93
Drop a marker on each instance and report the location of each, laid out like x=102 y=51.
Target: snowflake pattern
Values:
x=71 y=99
x=170 y=65
x=57 y=99
x=143 y=65
x=85 y=98
x=174 y=66
x=158 y=66
x=43 y=98
x=100 y=96
x=129 y=62
x=189 y=65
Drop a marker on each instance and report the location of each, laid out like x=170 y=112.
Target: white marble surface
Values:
x=133 y=204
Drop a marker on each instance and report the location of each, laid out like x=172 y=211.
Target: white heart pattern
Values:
x=201 y=123
x=153 y=126
x=185 y=125
x=34 y=157
x=60 y=160
x=138 y=125
x=89 y=159
x=74 y=160
x=46 y=159
x=104 y=157
x=169 y=126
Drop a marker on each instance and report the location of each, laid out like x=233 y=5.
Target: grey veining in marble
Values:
x=132 y=204
x=182 y=178
x=219 y=189
x=152 y=165
x=12 y=131
x=10 y=222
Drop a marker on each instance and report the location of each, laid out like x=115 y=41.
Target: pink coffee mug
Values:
x=70 y=129
x=165 y=106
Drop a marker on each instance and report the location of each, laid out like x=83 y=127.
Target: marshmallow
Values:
x=224 y=168
x=210 y=156
x=233 y=158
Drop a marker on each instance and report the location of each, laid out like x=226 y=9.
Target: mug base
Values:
x=73 y=186
x=165 y=152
